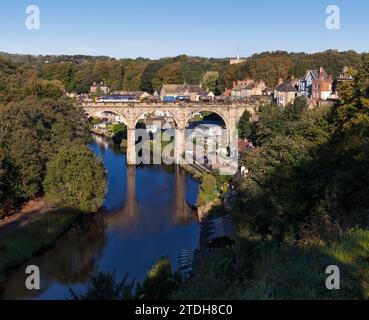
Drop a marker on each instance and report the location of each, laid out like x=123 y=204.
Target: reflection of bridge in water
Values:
x=181 y=113
x=183 y=212
x=127 y=218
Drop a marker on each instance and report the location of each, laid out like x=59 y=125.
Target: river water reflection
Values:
x=148 y=216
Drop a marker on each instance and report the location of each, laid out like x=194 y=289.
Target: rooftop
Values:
x=286 y=86
x=181 y=88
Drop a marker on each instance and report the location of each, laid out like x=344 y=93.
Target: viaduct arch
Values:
x=181 y=114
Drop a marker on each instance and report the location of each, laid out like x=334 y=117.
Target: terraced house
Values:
x=285 y=92
x=247 y=88
x=321 y=88
x=316 y=85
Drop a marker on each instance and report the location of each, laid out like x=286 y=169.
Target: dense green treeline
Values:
x=307 y=178
x=47 y=138
x=49 y=75
x=301 y=207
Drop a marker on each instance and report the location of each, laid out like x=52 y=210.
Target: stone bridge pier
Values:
x=131 y=146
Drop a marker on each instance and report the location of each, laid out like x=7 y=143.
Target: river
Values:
x=148 y=215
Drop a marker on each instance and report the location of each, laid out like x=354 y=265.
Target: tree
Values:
x=353 y=109
x=76 y=178
x=269 y=67
x=295 y=110
x=52 y=89
x=169 y=74
x=118 y=129
x=307 y=180
x=148 y=76
x=271 y=123
x=104 y=286
x=267 y=201
x=208 y=189
x=8 y=177
x=209 y=81
x=159 y=283
x=31 y=131
x=29 y=160
x=63 y=72
x=244 y=126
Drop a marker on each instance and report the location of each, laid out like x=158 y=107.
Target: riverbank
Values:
x=29 y=212
x=196 y=174
x=25 y=239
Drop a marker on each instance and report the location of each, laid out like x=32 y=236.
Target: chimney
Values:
x=280 y=81
x=293 y=78
x=234 y=84
x=321 y=71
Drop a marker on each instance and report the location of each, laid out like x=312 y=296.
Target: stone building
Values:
x=305 y=84
x=247 y=88
x=321 y=88
x=237 y=60
x=285 y=92
x=99 y=88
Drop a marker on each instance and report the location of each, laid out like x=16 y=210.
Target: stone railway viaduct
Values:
x=130 y=114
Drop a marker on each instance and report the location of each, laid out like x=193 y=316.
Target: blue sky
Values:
x=160 y=28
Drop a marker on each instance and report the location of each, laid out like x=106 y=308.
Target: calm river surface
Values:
x=148 y=216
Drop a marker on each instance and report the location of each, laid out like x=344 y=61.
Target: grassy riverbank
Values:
x=21 y=244
x=257 y=269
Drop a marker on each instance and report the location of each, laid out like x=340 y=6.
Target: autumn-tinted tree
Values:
x=353 y=109
x=77 y=73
